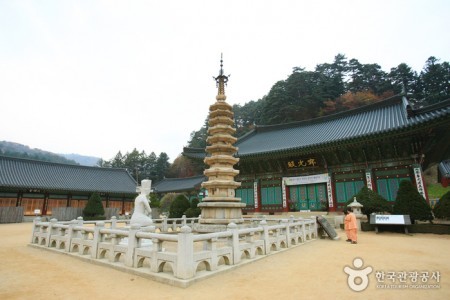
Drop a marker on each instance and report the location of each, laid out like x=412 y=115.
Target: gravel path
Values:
x=311 y=271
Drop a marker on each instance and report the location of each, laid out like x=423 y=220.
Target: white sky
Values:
x=95 y=77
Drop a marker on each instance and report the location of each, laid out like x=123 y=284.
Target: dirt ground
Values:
x=311 y=271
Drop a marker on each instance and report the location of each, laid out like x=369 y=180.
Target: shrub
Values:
x=193 y=211
x=94 y=208
x=154 y=201
x=410 y=202
x=371 y=201
x=178 y=206
x=442 y=208
x=166 y=200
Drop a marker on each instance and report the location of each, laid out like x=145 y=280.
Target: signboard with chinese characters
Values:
x=419 y=182
x=329 y=192
x=302 y=163
x=306 y=179
x=369 y=180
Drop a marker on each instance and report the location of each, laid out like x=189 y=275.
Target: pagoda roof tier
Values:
x=221 y=149
x=221 y=112
x=221 y=138
x=220 y=120
x=219 y=158
x=215 y=171
x=221 y=105
x=221 y=129
x=216 y=183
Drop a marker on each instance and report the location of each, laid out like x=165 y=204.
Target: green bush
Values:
x=442 y=208
x=371 y=201
x=94 y=208
x=193 y=211
x=194 y=203
x=154 y=201
x=178 y=206
x=166 y=201
x=410 y=202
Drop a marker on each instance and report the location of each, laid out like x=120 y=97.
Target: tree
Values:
x=435 y=79
x=403 y=79
x=410 y=202
x=184 y=166
x=368 y=77
x=94 y=208
x=198 y=138
x=194 y=211
x=442 y=208
x=245 y=116
x=179 y=206
x=350 y=100
x=166 y=201
x=371 y=201
x=334 y=76
x=162 y=166
x=140 y=165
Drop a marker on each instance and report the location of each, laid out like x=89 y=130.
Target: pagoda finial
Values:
x=221 y=81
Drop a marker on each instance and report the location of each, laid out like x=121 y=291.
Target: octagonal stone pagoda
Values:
x=221 y=206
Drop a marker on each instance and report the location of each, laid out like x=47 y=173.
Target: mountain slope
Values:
x=22 y=151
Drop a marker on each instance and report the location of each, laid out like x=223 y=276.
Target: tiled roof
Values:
x=168 y=185
x=33 y=174
x=387 y=116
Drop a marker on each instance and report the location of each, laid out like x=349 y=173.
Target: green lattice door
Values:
x=308 y=197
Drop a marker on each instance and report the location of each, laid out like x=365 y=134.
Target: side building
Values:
x=43 y=186
x=320 y=164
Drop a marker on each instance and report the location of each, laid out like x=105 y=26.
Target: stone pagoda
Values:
x=221 y=206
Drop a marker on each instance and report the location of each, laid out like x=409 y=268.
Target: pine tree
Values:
x=179 y=206
x=410 y=202
x=442 y=208
x=94 y=208
x=371 y=201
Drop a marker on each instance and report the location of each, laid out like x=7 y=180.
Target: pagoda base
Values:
x=220 y=214
x=207 y=228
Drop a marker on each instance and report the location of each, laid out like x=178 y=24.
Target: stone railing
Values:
x=178 y=258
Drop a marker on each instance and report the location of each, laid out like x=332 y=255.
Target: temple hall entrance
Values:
x=309 y=196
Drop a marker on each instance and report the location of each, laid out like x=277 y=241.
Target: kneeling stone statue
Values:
x=142 y=211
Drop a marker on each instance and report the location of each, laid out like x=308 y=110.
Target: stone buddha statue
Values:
x=142 y=211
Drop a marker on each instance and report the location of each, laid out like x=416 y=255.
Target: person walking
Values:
x=346 y=221
x=351 y=227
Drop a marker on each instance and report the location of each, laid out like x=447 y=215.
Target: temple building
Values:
x=43 y=186
x=320 y=164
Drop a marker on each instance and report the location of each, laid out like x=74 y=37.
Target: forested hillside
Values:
x=333 y=87
x=21 y=151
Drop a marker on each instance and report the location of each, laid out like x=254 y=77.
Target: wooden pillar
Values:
x=45 y=205
x=19 y=198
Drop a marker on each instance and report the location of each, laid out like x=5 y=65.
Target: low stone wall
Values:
x=11 y=214
x=178 y=259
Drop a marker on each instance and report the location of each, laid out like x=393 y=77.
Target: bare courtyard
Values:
x=310 y=271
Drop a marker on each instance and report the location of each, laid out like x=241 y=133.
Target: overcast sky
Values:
x=95 y=77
